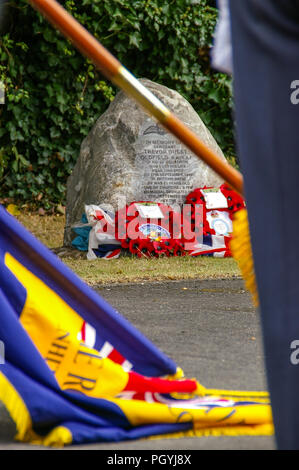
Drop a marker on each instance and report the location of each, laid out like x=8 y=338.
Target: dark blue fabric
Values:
x=49 y=407
x=89 y=419
x=81 y=240
x=146 y=358
x=102 y=250
x=265 y=36
x=84 y=434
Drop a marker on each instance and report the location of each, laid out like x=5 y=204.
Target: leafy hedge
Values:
x=54 y=95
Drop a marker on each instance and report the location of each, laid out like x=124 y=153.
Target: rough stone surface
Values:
x=128 y=157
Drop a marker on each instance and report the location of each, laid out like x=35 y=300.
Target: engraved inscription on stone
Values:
x=126 y=157
x=165 y=169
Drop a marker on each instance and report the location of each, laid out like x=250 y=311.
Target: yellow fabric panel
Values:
x=140 y=412
x=53 y=327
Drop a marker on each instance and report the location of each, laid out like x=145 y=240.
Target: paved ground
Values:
x=209 y=328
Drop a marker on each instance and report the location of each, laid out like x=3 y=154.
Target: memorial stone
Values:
x=128 y=157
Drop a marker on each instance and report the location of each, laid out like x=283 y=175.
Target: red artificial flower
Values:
x=234 y=200
x=178 y=249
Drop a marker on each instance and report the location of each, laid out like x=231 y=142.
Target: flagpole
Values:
x=120 y=76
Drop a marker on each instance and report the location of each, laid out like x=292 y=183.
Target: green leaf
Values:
x=54 y=95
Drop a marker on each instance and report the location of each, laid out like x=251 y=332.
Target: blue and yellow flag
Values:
x=76 y=371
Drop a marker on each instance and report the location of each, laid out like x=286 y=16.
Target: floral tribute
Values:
x=203 y=226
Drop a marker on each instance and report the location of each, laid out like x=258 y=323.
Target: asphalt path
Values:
x=210 y=329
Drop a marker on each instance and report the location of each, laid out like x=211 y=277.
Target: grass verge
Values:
x=49 y=230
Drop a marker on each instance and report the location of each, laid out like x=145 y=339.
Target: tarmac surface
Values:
x=209 y=328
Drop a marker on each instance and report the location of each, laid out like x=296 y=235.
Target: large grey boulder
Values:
x=128 y=157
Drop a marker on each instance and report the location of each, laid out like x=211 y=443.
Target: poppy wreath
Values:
x=212 y=243
x=234 y=203
x=150 y=238
x=177 y=233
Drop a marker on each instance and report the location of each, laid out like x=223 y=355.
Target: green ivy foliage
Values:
x=54 y=95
